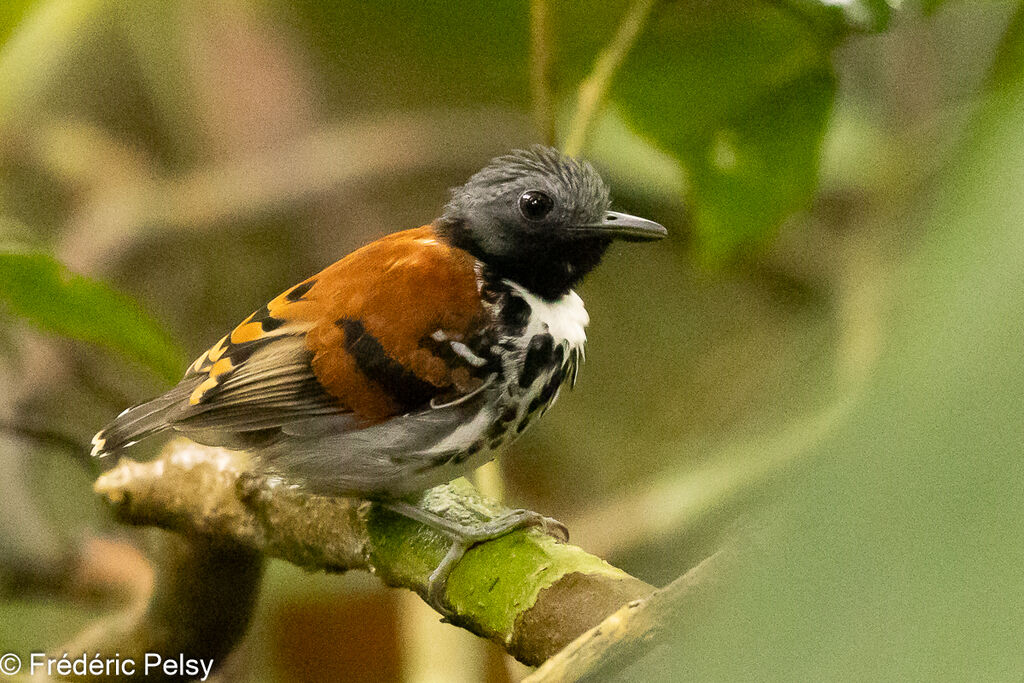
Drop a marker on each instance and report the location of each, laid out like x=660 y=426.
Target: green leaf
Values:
x=760 y=165
x=843 y=16
x=739 y=93
x=11 y=12
x=1008 y=64
x=38 y=288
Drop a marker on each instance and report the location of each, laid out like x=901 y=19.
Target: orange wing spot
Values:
x=220 y=367
x=197 y=395
x=214 y=354
x=278 y=307
x=246 y=332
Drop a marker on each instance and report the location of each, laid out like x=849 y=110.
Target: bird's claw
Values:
x=437 y=583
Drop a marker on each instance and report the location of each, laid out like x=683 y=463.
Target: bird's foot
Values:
x=466 y=536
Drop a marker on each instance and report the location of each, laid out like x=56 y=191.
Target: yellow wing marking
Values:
x=219 y=368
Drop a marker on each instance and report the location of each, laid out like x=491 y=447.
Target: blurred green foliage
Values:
x=11 y=13
x=893 y=551
x=736 y=92
x=840 y=18
x=36 y=287
x=885 y=441
x=419 y=54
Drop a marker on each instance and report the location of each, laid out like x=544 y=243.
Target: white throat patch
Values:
x=565 y=319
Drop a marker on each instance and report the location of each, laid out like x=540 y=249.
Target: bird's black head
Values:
x=539 y=218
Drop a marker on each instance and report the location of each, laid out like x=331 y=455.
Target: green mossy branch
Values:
x=526 y=591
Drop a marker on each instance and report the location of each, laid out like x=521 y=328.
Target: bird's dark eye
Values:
x=535 y=205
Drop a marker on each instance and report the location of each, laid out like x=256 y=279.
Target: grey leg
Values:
x=465 y=537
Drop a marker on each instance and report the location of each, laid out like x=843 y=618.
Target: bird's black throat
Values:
x=549 y=268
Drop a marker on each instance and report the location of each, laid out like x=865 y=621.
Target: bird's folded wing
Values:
x=269 y=384
x=393 y=328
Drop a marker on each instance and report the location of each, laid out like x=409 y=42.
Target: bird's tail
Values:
x=138 y=422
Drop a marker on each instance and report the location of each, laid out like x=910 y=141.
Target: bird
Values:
x=416 y=358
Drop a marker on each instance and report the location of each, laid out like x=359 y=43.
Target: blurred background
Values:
x=823 y=360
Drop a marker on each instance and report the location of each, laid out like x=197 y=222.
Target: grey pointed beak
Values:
x=626 y=227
